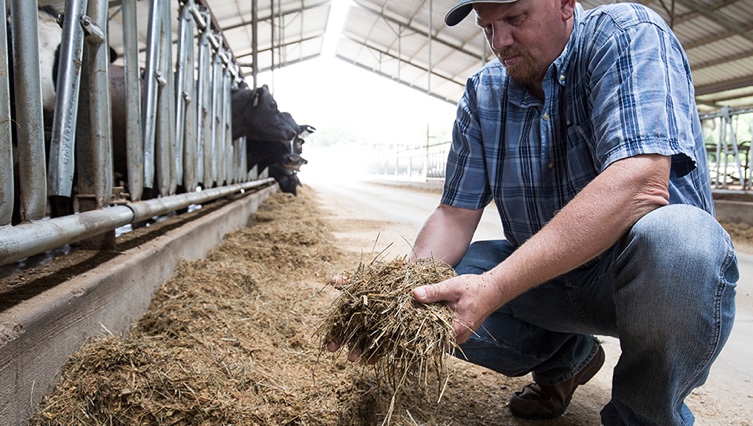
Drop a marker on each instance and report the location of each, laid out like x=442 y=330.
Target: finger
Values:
x=431 y=293
x=338 y=281
x=354 y=355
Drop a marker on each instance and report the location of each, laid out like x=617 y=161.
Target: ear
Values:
x=567 y=9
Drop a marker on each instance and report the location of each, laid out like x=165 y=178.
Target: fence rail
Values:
x=727 y=148
x=178 y=134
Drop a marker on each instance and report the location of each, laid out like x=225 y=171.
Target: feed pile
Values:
x=406 y=340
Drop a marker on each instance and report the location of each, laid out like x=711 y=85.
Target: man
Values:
x=586 y=136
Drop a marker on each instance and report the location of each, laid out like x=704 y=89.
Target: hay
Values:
x=377 y=315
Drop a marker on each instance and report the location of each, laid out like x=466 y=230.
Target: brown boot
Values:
x=537 y=401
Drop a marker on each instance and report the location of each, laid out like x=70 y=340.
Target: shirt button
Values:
x=562 y=77
x=545 y=117
x=554 y=213
x=550 y=165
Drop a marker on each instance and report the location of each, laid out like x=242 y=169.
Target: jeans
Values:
x=666 y=290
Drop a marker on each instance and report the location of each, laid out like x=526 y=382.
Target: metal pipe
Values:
x=202 y=109
x=29 y=123
x=134 y=147
x=6 y=141
x=95 y=180
x=175 y=158
x=62 y=140
x=190 y=158
x=182 y=70
x=18 y=242
x=149 y=106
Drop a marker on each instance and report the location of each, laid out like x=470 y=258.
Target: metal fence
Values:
x=410 y=163
x=728 y=143
x=178 y=133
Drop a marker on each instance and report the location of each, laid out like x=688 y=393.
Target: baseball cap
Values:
x=462 y=9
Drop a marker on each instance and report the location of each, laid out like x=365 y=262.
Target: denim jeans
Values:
x=666 y=290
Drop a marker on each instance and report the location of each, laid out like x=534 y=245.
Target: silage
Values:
x=376 y=314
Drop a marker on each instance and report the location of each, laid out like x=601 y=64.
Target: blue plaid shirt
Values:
x=621 y=87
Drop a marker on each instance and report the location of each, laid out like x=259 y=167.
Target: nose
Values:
x=500 y=37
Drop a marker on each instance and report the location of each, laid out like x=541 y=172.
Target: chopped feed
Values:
x=377 y=315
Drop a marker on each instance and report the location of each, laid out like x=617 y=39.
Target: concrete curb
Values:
x=734 y=211
x=38 y=335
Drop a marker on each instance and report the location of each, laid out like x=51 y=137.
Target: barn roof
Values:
x=407 y=41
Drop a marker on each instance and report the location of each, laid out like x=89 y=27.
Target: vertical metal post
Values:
x=184 y=75
x=134 y=133
x=62 y=141
x=216 y=84
x=227 y=143
x=95 y=148
x=149 y=106
x=6 y=143
x=28 y=103
x=175 y=160
x=188 y=98
x=254 y=38
x=202 y=106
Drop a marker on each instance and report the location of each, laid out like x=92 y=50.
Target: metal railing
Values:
x=178 y=134
x=728 y=154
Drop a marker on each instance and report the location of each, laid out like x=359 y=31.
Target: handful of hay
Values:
x=376 y=313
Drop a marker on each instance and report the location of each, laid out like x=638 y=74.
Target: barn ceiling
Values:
x=407 y=41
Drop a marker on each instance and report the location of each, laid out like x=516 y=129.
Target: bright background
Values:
x=353 y=110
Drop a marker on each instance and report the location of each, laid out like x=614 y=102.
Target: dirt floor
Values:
x=231 y=339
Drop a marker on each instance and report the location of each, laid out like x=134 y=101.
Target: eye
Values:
x=516 y=19
x=487 y=29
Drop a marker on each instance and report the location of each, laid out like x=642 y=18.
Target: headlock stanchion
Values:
x=177 y=135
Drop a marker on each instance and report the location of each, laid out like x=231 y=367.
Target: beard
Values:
x=525 y=71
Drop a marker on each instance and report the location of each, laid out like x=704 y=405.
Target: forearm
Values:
x=446 y=234
x=591 y=223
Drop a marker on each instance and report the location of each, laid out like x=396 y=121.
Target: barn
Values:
x=191 y=139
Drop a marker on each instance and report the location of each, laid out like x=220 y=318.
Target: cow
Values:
x=282 y=160
x=255 y=116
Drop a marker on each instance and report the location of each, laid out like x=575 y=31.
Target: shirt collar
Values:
x=563 y=60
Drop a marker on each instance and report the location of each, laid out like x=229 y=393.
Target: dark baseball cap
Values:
x=462 y=9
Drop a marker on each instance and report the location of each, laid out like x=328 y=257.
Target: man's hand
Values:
x=469 y=296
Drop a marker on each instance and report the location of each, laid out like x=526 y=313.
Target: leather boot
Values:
x=538 y=401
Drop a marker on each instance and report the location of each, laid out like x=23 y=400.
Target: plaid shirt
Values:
x=621 y=87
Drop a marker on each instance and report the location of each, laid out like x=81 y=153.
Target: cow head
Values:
x=256 y=116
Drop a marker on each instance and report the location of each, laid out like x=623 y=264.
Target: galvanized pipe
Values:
x=6 y=141
x=215 y=151
x=95 y=180
x=203 y=109
x=149 y=106
x=62 y=141
x=182 y=70
x=162 y=150
x=169 y=73
x=18 y=242
x=134 y=147
x=225 y=142
x=29 y=124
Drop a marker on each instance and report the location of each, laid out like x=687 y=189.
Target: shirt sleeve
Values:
x=466 y=184
x=641 y=93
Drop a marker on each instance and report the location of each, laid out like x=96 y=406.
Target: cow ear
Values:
x=257 y=95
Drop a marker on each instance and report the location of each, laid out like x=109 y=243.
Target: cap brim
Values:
x=462 y=9
x=457 y=14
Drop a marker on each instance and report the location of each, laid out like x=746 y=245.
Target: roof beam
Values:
x=269 y=17
x=737 y=83
x=390 y=55
x=718 y=18
x=421 y=32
